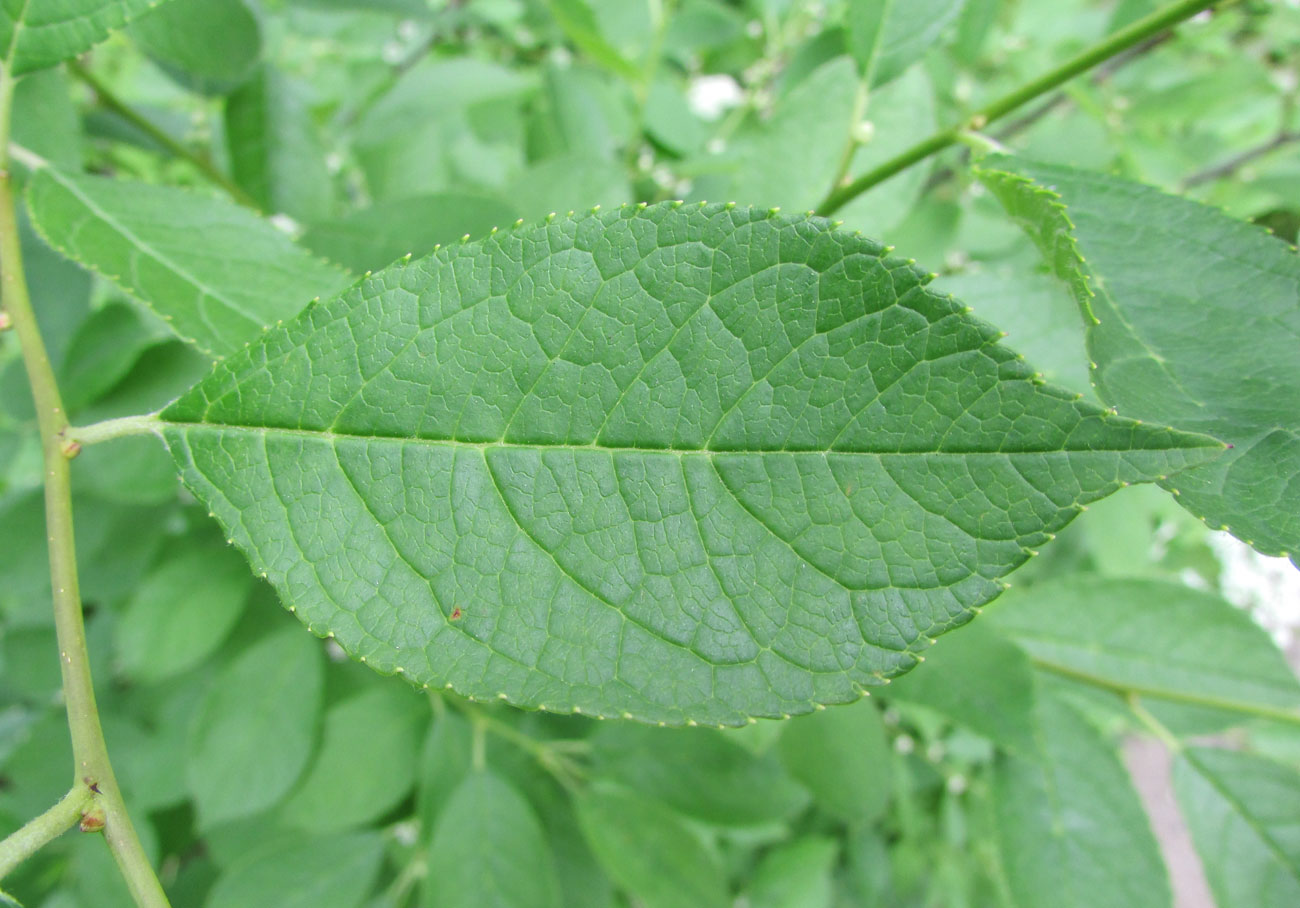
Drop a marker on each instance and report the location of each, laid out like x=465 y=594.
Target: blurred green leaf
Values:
x=40 y=33
x=1118 y=631
x=842 y=755
x=183 y=609
x=1242 y=810
x=488 y=851
x=797 y=875
x=699 y=772
x=371 y=238
x=338 y=871
x=366 y=761
x=208 y=46
x=649 y=851
x=1068 y=820
x=980 y=680
x=582 y=28
x=256 y=729
x=276 y=154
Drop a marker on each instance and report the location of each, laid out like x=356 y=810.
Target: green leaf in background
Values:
x=911 y=27
x=208 y=46
x=366 y=762
x=1244 y=814
x=789 y=159
x=337 y=871
x=980 y=680
x=107 y=344
x=257 y=728
x=1041 y=319
x=1197 y=323
x=182 y=610
x=843 y=757
x=1069 y=821
x=371 y=238
x=46 y=121
x=35 y=34
x=699 y=772
x=901 y=114
x=276 y=155
x=796 y=875
x=488 y=851
x=1119 y=631
x=580 y=25
x=215 y=294
x=649 y=851
x=864 y=22
x=682 y=464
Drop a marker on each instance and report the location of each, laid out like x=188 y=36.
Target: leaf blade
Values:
x=659 y=541
x=36 y=34
x=1168 y=335
x=245 y=275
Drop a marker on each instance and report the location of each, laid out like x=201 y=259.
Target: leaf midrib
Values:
x=333 y=435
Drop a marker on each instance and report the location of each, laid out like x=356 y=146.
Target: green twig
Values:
x=90 y=755
x=201 y=162
x=1117 y=43
x=1253 y=710
x=550 y=756
x=39 y=832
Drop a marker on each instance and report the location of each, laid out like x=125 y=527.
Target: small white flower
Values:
x=710 y=97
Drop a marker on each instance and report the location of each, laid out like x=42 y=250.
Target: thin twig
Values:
x=1236 y=162
x=1112 y=46
x=200 y=161
x=44 y=829
x=89 y=752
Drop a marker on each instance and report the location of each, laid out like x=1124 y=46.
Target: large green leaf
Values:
x=1119 y=631
x=1195 y=321
x=682 y=464
x=35 y=34
x=216 y=272
x=1244 y=814
x=1070 y=824
x=488 y=851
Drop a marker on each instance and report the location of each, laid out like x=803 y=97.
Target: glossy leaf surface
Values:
x=677 y=464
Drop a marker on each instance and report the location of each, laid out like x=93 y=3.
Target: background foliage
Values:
x=264 y=767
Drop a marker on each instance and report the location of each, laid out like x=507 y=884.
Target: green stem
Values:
x=113 y=428
x=90 y=755
x=201 y=162
x=39 y=832
x=1154 y=725
x=1117 y=43
x=548 y=757
x=1254 y=710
